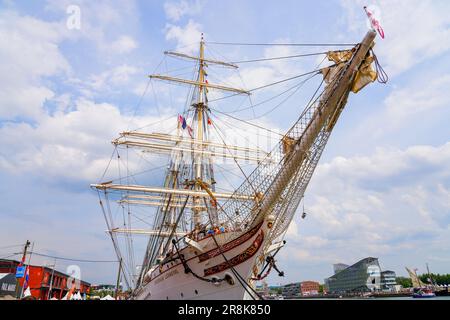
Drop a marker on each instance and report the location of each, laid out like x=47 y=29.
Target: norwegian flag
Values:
x=184 y=125
x=182 y=121
x=374 y=22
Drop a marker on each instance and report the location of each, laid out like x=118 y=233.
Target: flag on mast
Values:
x=182 y=122
x=374 y=22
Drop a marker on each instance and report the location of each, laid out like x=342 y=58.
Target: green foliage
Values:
x=102 y=293
x=404 y=282
x=439 y=279
x=275 y=290
x=321 y=288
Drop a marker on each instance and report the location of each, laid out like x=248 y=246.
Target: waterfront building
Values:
x=338 y=267
x=309 y=288
x=388 y=281
x=45 y=282
x=291 y=290
x=7 y=284
x=363 y=276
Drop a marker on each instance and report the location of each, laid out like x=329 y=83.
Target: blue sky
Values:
x=383 y=185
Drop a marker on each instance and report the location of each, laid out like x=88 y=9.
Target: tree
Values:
x=439 y=279
x=404 y=282
x=321 y=288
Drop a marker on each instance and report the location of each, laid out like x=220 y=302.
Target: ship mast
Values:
x=179 y=186
x=199 y=110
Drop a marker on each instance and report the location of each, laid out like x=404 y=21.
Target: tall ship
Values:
x=205 y=241
x=420 y=289
x=426 y=290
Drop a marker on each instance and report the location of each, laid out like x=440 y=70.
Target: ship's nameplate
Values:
x=244 y=256
x=229 y=245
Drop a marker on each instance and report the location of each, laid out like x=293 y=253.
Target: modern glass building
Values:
x=338 y=267
x=388 y=281
x=363 y=276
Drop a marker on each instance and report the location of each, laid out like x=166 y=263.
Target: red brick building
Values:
x=40 y=278
x=309 y=288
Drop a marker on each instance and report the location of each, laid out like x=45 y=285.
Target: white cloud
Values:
x=29 y=52
x=416 y=30
x=124 y=44
x=379 y=205
x=73 y=145
x=175 y=10
x=118 y=76
x=187 y=37
x=427 y=96
x=108 y=25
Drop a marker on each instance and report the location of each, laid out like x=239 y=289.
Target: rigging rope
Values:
x=72 y=259
x=9 y=256
x=235 y=160
x=109 y=226
x=11 y=246
x=285 y=99
x=267 y=100
x=271 y=84
x=284 y=44
x=280 y=58
x=382 y=76
x=247 y=122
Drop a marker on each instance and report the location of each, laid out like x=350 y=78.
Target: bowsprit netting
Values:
x=260 y=182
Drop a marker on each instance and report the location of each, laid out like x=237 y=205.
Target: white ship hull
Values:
x=171 y=282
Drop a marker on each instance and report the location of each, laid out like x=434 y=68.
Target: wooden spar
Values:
x=199 y=84
x=328 y=104
x=177 y=139
x=146 y=232
x=152 y=198
x=160 y=199
x=184 y=192
x=167 y=148
x=158 y=204
x=183 y=55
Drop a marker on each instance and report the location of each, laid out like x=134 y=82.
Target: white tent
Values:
x=76 y=296
x=108 y=297
x=27 y=292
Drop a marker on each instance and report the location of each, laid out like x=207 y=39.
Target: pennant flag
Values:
x=374 y=22
x=182 y=121
x=190 y=131
x=209 y=121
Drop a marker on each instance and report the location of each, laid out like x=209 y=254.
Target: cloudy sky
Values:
x=382 y=188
